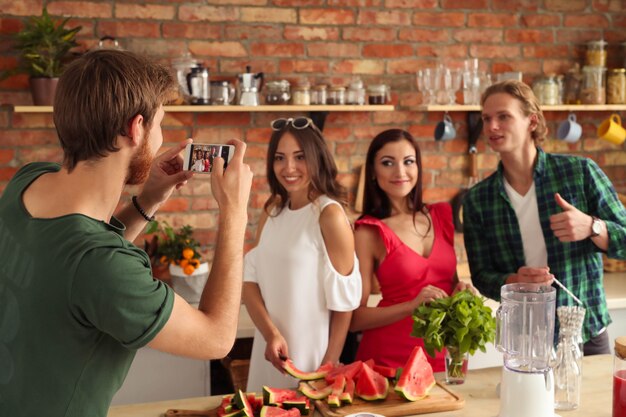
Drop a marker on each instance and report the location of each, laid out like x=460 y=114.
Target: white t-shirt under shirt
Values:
x=525 y=207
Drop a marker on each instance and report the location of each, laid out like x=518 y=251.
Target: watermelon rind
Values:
x=313 y=393
x=273 y=411
x=417 y=377
x=302 y=405
x=274 y=396
x=241 y=402
x=319 y=373
x=333 y=400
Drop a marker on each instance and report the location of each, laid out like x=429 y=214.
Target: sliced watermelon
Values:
x=417 y=376
x=273 y=411
x=348 y=392
x=349 y=371
x=225 y=409
x=241 y=402
x=314 y=394
x=386 y=371
x=371 y=385
x=273 y=396
x=302 y=404
x=320 y=372
x=338 y=385
x=333 y=400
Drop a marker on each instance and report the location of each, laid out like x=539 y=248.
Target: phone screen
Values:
x=201 y=157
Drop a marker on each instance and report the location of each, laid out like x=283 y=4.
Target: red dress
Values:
x=402 y=275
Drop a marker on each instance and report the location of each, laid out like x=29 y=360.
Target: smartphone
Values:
x=199 y=156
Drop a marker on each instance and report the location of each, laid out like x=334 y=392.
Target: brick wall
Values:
x=378 y=40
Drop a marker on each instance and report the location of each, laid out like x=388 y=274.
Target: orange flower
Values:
x=188 y=253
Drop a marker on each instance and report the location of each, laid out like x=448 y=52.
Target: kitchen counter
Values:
x=479 y=392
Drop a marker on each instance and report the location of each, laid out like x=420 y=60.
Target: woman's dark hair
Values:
x=375 y=200
x=320 y=165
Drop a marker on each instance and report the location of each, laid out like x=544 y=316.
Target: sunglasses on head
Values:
x=298 y=123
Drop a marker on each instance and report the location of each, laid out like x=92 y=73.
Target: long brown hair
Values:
x=320 y=165
x=530 y=105
x=375 y=201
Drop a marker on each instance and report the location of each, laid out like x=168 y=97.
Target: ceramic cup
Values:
x=445 y=129
x=569 y=130
x=612 y=130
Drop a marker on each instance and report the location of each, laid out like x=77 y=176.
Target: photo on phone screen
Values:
x=199 y=157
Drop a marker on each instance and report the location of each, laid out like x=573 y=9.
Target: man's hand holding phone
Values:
x=231 y=187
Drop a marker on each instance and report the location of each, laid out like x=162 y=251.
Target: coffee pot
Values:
x=222 y=93
x=199 y=86
x=249 y=87
x=182 y=66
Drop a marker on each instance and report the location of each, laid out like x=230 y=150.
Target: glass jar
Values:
x=616 y=86
x=619 y=378
x=592 y=90
x=301 y=95
x=569 y=356
x=277 y=92
x=336 y=95
x=378 y=94
x=355 y=93
x=595 y=56
x=572 y=83
x=318 y=94
x=546 y=90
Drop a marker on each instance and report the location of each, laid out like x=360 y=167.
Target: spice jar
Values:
x=592 y=91
x=619 y=378
x=318 y=94
x=546 y=90
x=616 y=86
x=378 y=94
x=595 y=55
x=301 y=94
x=355 y=93
x=277 y=92
x=336 y=95
x=571 y=89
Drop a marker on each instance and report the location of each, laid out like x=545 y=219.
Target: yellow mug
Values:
x=612 y=130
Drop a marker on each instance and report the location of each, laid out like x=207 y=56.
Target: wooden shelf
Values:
x=235 y=108
x=561 y=107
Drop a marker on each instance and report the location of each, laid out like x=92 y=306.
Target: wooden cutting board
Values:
x=440 y=398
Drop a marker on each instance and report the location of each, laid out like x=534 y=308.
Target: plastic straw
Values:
x=564 y=288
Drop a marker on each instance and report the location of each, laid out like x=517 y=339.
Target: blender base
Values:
x=524 y=394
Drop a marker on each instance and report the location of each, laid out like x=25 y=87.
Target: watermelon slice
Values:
x=273 y=411
x=349 y=371
x=273 y=396
x=314 y=394
x=241 y=402
x=348 y=392
x=302 y=404
x=338 y=385
x=320 y=372
x=417 y=376
x=371 y=385
x=386 y=371
x=333 y=400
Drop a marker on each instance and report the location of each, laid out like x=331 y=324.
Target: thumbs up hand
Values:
x=571 y=225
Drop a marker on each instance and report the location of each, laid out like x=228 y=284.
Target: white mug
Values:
x=445 y=129
x=569 y=130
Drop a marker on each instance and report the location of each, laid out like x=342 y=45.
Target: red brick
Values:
x=175 y=205
x=156 y=47
x=258 y=135
x=6 y=155
x=16 y=82
x=404 y=66
x=395 y=117
x=541 y=51
x=33 y=120
x=6 y=173
x=203 y=204
x=332 y=49
x=20 y=8
x=454 y=51
x=294 y=3
x=254 y=151
x=178 y=119
x=577 y=36
x=556 y=66
x=236 y=66
x=454 y=178
x=326 y=16
x=40 y=153
x=494 y=51
x=4 y=119
x=540 y=20
x=87 y=9
x=596 y=21
x=491 y=20
x=256 y=32
x=423 y=35
x=346 y=119
x=224 y=119
x=356 y=3
x=394 y=17
x=304 y=66
x=387 y=50
x=528 y=36
x=208 y=13
x=144 y=11
x=9 y=25
x=175 y=135
x=369 y=34
x=8 y=62
x=477 y=35
x=268 y=14
x=608 y=6
x=437 y=194
x=307 y=33
x=439 y=19
x=119 y=29
x=217 y=49
x=411 y=4
x=241 y=2
x=277 y=49
x=354 y=66
x=216 y=134
x=465 y=4
x=515 y=5
x=191 y=30
x=565 y=5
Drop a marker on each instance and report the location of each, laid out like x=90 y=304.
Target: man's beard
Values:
x=139 y=167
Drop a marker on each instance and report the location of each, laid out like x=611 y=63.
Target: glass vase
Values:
x=456 y=365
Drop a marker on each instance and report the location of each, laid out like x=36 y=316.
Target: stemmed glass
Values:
x=431 y=84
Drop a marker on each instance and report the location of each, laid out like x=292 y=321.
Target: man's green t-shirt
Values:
x=76 y=301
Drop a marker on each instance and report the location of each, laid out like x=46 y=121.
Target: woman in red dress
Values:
x=404 y=246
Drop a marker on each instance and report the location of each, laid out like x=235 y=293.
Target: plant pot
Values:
x=189 y=287
x=42 y=90
x=456 y=366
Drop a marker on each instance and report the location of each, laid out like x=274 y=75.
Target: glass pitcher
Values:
x=525 y=326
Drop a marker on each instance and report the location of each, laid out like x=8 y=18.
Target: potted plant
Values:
x=179 y=250
x=44 y=45
x=461 y=323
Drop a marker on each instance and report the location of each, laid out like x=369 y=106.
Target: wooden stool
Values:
x=238 y=372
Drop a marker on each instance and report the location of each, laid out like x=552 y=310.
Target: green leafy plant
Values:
x=462 y=323
x=177 y=247
x=43 y=44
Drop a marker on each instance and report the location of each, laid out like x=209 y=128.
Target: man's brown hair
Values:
x=97 y=97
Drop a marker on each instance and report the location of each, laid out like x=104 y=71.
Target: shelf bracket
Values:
x=319 y=118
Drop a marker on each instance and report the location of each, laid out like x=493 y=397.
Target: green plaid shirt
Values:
x=494 y=243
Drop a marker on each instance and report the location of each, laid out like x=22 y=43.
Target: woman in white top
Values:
x=301 y=280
